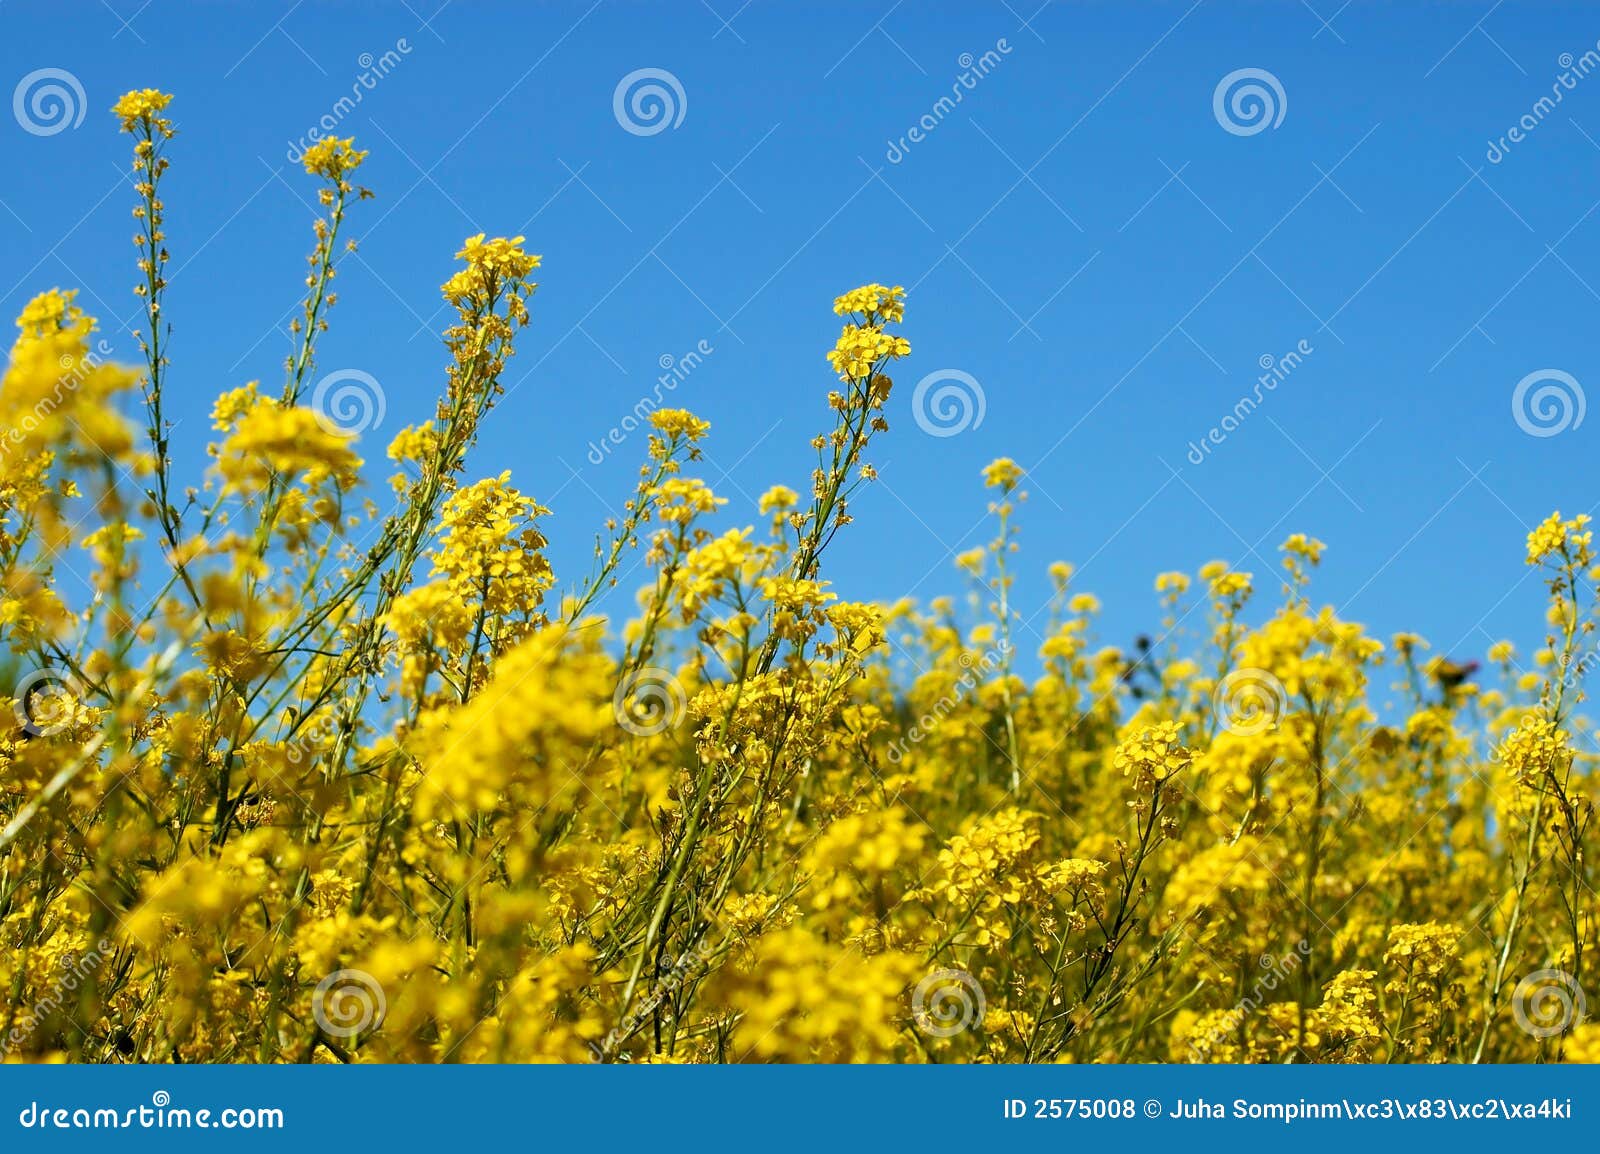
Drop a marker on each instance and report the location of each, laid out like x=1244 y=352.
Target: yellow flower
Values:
x=1555 y=535
x=679 y=423
x=1152 y=756
x=270 y=440
x=140 y=104
x=873 y=299
x=1002 y=473
x=863 y=350
x=333 y=158
x=778 y=499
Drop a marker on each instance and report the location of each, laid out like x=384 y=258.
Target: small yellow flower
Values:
x=333 y=158
x=1002 y=473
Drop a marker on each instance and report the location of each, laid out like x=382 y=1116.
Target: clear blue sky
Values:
x=1080 y=234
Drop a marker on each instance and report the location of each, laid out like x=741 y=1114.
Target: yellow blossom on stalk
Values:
x=230 y=406
x=680 y=499
x=861 y=349
x=141 y=104
x=509 y=744
x=56 y=392
x=333 y=158
x=1425 y=950
x=1076 y=877
x=1536 y=747
x=859 y=851
x=1177 y=583
x=1153 y=755
x=778 y=499
x=1002 y=473
x=982 y=863
x=1553 y=535
x=1300 y=545
x=270 y=440
x=798 y=998
x=491 y=265
x=490 y=549
x=861 y=626
x=789 y=595
x=679 y=423
x=1227 y=585
x=708 y=569
x=887 y=303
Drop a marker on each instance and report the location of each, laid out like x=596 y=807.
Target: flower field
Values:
x=331 y=766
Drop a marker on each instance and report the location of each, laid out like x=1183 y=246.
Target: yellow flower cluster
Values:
x=491 y=265
x=333 y=158
x=863 y=350
x=141 y=104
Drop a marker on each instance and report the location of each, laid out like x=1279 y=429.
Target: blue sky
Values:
x=1081 y=235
